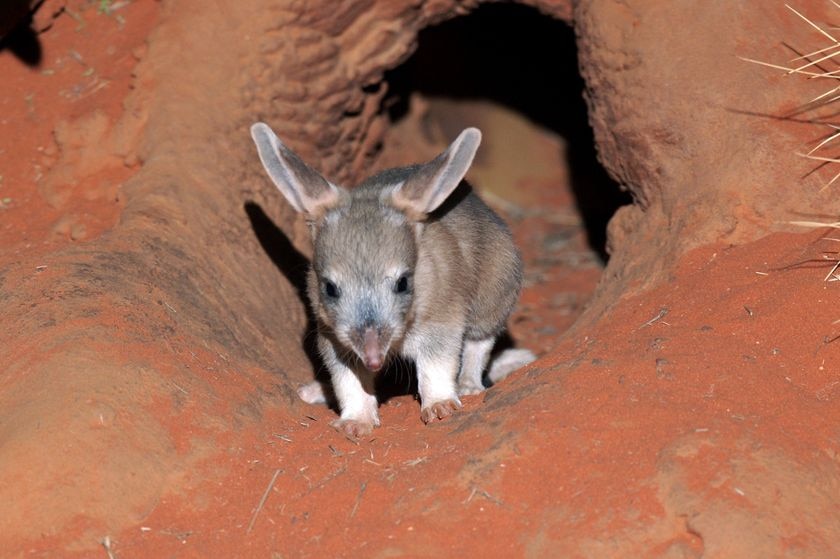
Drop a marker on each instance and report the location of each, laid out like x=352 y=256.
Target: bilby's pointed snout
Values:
x=373 y=355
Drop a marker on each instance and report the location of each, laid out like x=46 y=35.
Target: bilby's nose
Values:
x=372 y=350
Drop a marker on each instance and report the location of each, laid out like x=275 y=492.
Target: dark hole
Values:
x=16 y=33
x=515 y=56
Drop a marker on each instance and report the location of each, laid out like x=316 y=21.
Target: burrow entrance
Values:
x=512 y=71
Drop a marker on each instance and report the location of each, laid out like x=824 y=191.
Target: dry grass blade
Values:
x=821 y=144
x=834 y=74
x=106 y=543
x=831 y=275
x=835 y=225
x=815 y=53
x=811 y=66
x=826 y=94
x=263 y=499
x=779 y=67
x=829 y=183
x=362 y=488
x=814 y=63
x=819 y=158
x=811 y=23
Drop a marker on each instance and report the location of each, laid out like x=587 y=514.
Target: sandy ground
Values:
x=699 y=419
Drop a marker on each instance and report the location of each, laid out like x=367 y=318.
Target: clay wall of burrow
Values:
x=687 y=127
x=220 y=240
x=709 y=144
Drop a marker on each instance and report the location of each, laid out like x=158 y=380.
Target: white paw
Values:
x=312 y=393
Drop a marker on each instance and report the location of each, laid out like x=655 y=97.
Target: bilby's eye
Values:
x=331 y=290
x=401 y=287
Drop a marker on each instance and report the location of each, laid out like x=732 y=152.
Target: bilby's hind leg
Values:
x=474 y=359
x=312 y=393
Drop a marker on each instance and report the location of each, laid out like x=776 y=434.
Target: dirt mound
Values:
x=154 y=330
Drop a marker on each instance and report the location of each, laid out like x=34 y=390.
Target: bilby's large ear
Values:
x=306 y=190
x=425 y=190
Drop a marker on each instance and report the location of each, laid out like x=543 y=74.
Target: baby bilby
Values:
x=410 y=262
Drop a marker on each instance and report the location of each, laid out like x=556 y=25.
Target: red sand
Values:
x=698 y=419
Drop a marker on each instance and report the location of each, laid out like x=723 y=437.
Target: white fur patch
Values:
x=508 y=361
x=312 y=393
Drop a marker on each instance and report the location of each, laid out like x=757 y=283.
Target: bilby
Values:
x=411 y=262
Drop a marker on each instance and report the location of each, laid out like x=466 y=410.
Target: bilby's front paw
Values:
x=439 y=410
x=353 y=428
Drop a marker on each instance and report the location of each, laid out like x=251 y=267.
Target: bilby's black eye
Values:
x=401 y=287
x=331 y=290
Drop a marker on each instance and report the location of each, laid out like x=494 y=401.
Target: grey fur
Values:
x=410 y=262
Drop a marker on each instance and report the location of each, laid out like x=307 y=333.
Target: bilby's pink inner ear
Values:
x=305 y=189
x=432 y=183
